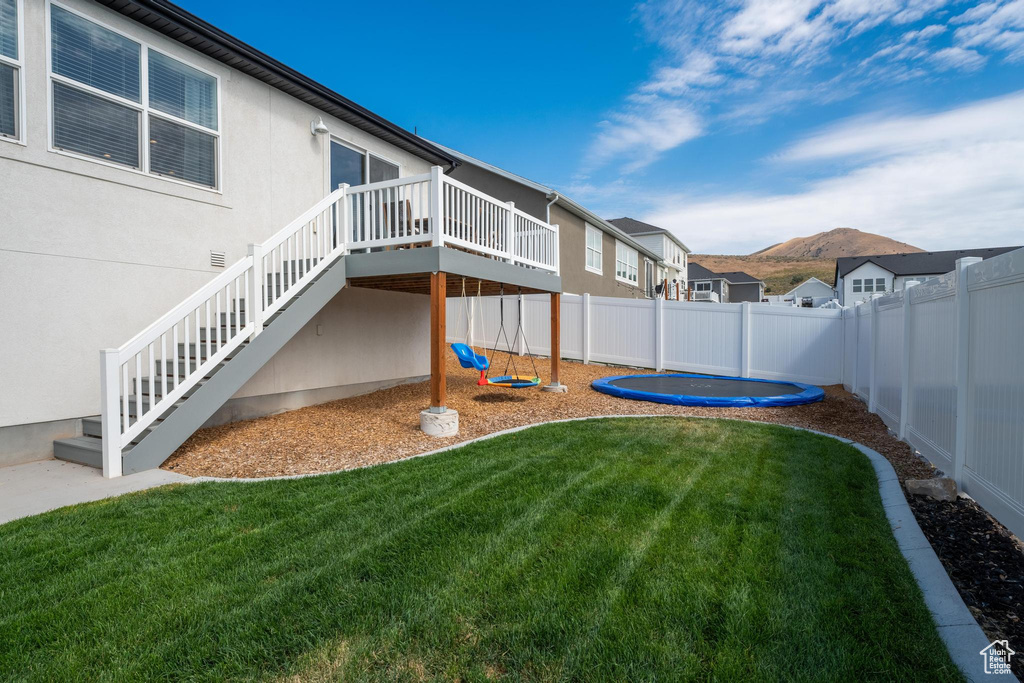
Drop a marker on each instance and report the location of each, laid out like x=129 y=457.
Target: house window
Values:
x=880 y=284
x=858 y=286
x=626 y=263
x=702 y=287
x=102 y=110
x=594 y=253
x=357 y=167
x=10 y=70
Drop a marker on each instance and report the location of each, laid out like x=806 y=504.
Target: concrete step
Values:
x=85 y=450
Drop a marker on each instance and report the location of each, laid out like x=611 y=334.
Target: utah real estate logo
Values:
x=997 y=657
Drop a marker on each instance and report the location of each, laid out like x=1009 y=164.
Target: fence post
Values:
x=659 y=334
x=856 y=348
x=110 y=393
x=435 y=206
x=585 y=318
x=963 y=345
x=745 y=339
x=872 y=364
x=255 y=301
x=905 y=363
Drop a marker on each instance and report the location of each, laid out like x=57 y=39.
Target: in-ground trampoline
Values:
x=705 y=390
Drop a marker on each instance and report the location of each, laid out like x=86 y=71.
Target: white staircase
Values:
x=162 y=385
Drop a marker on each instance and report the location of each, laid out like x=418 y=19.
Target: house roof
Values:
x=695 y=271
x=808 y=280
x=738 y=277
x=552 y=194
x=635 y=227
x=188 y=29
x=918 y=263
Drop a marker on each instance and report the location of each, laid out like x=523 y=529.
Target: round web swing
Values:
x=469 y=358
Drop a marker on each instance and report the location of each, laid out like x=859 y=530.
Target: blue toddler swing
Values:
x=469 y=358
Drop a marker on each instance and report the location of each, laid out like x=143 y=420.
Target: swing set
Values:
x=469 y=358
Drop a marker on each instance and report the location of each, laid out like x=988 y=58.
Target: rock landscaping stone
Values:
x=940 y=488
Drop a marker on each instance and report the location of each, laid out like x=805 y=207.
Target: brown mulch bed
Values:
x=384 y=426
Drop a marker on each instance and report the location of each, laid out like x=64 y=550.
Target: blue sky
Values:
x=735 y=124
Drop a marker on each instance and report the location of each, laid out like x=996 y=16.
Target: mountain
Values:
x=836 y=243
x=784 y=265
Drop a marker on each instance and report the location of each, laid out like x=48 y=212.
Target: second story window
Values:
x=102 y=110
x=10 y=70
x=594 y=253
x=626 y=263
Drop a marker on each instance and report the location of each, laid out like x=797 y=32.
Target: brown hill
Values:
x=780 y=274
x=836 y=243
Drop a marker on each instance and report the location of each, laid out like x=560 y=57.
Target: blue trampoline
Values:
x=706 y=390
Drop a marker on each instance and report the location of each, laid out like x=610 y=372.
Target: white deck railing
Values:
x=704 y=296
x=144 y=378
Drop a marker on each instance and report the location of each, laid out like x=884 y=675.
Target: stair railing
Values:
x=143 y=379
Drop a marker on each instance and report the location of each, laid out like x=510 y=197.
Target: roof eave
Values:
x=197 y=34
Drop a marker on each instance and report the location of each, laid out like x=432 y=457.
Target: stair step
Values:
x=93 y=427
x=158 y=388
x=205 y=351
x=133 y=408
x=84 y=450
x=225 y=334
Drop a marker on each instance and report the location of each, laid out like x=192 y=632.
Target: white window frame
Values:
x=704 y=286
x=884 y=284
x=19 y=64
x=142 y=107
x=590 y=229
x=629 y=251
x=355 y=148
x=858 y=286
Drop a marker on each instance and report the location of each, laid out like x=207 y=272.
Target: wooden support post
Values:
x=556 y=336
x=438 y=283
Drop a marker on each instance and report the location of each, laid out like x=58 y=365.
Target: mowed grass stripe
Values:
x=664 y=548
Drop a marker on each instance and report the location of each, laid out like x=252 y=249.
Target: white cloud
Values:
x=635 y=137
x=939 y=181
x=959 y=58
x=999 y=28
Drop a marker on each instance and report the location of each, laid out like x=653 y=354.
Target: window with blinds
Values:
x=10 y=71
x=102 y=111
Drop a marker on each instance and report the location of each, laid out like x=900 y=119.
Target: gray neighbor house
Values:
x=732 y=287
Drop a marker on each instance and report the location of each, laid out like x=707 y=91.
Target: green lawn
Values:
x=662 y=549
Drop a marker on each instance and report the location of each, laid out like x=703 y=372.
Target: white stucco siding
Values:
x=90 y=254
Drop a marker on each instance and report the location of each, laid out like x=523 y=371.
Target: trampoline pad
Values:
x=704 y=390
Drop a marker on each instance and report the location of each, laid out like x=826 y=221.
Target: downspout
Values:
x=547 y=209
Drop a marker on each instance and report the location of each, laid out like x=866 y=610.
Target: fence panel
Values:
x=702 y=337
x=994 y=457
x=621 y=331
x=863 y=350
x=572 y=326
x=796 y=344
x=932 y=379
x=889 y=359
x=849 y=348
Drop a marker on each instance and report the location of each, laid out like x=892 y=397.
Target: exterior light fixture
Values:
x=318 y=127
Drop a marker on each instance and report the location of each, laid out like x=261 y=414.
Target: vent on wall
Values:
x=217 y=259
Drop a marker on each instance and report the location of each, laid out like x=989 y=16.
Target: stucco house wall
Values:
x=91 y=254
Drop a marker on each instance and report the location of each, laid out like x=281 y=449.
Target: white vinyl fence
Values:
x=746 y=340
x=942 y=364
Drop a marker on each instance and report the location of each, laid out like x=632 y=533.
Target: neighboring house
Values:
x=859 y=278
x=671 y=250
x=153 y=163
x=810 y=293
x=732 y=287
x=596 y=256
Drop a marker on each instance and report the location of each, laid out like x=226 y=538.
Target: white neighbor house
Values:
x=165 y=184
x=859 y=278
x=810 y=293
